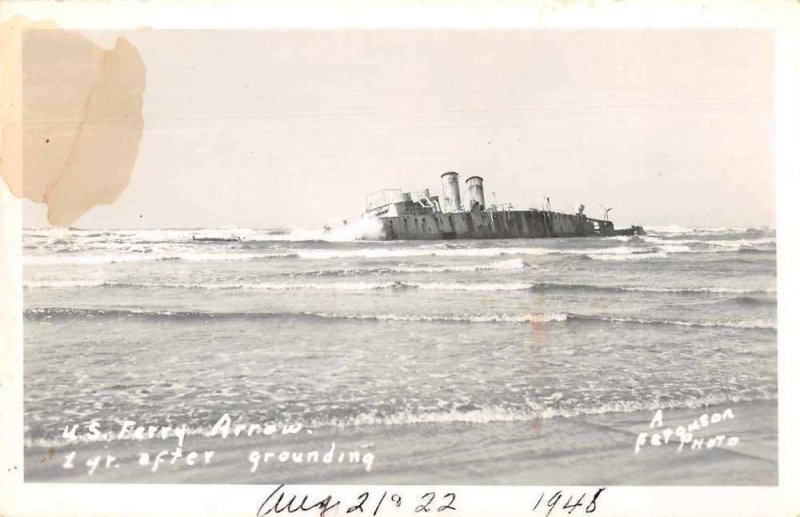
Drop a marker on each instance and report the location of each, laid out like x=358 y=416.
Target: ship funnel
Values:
x=450 y=192
x=475 y=191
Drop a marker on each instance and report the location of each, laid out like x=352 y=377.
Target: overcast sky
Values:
x=295 y=128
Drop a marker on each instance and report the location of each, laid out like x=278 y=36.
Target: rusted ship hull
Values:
x=511 y=224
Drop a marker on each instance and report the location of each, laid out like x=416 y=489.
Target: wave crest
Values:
x=58 y=312
x=460 y=414
x=397 y=284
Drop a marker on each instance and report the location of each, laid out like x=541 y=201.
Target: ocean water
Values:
x=335 y=333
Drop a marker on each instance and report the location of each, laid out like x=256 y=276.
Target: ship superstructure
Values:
x=420 y=215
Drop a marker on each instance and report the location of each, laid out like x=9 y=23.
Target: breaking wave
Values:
x=366 y=286
x=655 y=249
x=752 y=324
x=682 y=290
x=625 y=258
x=65 y=259
x=362 y=228
x=494 y=413
x=460 y=414
x=677 y=229
x=500 y=265
x=47 y=313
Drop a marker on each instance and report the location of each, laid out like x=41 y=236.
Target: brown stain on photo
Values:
x=50 y=453
x=71 y=115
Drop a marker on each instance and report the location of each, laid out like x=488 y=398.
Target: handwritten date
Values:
x=571 y=503
x=279 y=502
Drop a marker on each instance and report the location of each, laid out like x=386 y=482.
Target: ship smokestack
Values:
x=451 y=192
x=475 y=191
